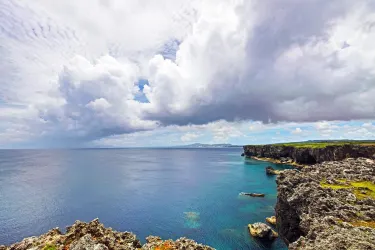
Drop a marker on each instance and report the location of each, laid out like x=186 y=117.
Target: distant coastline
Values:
x=201 y=145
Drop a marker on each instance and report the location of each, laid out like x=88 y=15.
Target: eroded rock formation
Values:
x=94 y=235
x=262 y=231
x=328 y=206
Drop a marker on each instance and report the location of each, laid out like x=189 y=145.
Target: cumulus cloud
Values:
x=257 y=62
x=98 y=99
x=208 y=65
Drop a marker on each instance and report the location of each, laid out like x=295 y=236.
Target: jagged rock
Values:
x=271 y=220
x=87 y=243
x=310 y=155
x=94 y=236
x=271 y=171
x=151 y=239
x=261 y=230
x=180 y=244
x=243 y=154
x=319 y=208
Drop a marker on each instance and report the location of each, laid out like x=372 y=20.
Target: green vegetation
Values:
x=361 y=189
x=323 y=144
x=49 y=247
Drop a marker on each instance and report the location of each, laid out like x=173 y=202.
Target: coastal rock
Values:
x=328 y=206
x=94 y=236
x=309 y=155
x=271 y=220
x=180 y=244
x=87 y=243
x=243 y=154
x=261 y=230
x=252 y=194
x=271 y=171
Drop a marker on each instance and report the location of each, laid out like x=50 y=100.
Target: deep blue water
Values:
x=165 y=192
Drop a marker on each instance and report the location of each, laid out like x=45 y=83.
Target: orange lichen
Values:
x=362 y=223
x=165 y=246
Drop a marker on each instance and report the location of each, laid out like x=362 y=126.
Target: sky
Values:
x=130 y=73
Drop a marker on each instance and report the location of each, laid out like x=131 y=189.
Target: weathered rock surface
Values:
x=261 y=230
x=271 y=171
x=94 y=236
x=328 y=206
x=271 y=220
x=154 y=243
x=309 y=155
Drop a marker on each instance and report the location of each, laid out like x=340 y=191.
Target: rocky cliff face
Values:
x=328 y=206
x=93 y=235
x=310 y=155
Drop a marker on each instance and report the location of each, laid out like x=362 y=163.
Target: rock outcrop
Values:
x=271 y=220
x=262 y=231
x=328 y=206
x=309 y=155
x=253 y=194
x=94 y=236
x=271 y=171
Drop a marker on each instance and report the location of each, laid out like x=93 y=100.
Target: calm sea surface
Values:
x=165 y=192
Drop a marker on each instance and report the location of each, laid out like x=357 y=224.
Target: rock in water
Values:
x=271 y=220
x=271 y=171
x=243 y=154
x=263 y=231
x=252 y=194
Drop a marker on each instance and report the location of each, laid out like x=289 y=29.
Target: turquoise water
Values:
x=165 y=192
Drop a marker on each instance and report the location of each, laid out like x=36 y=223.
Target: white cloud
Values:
x=77 y=68
x=188 y=137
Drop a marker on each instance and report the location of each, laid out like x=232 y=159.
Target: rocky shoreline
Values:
x=94 y=236
x=328 y=206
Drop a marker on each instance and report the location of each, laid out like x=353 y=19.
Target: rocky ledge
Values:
x=94 y=236
x=309 y=154
x=328 y=206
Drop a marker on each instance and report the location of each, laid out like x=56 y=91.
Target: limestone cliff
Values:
x=328 y=206
x=310 y=155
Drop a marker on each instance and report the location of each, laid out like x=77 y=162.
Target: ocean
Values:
x=170 y=193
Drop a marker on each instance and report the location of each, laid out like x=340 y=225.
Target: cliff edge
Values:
x=310 y=154
x=328 y=206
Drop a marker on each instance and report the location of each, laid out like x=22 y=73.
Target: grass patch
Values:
x=326 y=143
x=364 y=189
x=323 y=144
x=361 y=189
x=49 y=247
